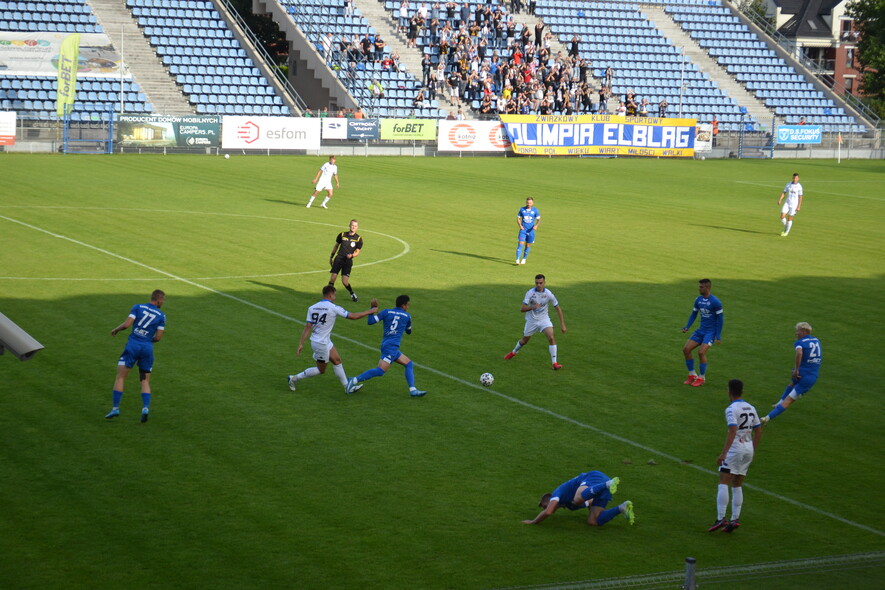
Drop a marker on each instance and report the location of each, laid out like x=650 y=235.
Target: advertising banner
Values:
x=799 y=134
x=472 y=136
x=362 y=129
x=7 y=127
x=168 y=131
x=66 y=91
x=408 y=129
x=334 y=127
x=270 y=133
x=703 y=141
x=568 y=135
x=37 y=54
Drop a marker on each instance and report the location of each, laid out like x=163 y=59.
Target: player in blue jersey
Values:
x=529 y=220
x=805 y=369
x=741 y=442
x=149 y=327
x=397 y=322
x=708 y=332
x=592 y=490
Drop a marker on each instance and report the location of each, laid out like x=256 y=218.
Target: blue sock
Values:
x=526 y=253
x=376 y=372
x=787 y=391
x=145 y=399
x=410 y=374
x=703 y=369
x=593 y=490
x=607 y=515
x=519 y=251
x=690 y=364
x=118 y=395
x=777 y=411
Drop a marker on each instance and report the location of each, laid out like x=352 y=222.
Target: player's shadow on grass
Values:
x=280 y=288
x=739 y=229
x=471 y=255
x=280 y=201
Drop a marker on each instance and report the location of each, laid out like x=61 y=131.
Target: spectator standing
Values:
x=662 y=108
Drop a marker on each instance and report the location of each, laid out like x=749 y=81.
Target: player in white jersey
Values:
x=793 y=193
x=535 y=306
x=744 y=432
x=321 y=318
x=323 y=181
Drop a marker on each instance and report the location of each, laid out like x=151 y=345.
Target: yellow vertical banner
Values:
x=68 y=58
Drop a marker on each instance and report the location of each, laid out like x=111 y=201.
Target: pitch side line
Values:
x=406 y=247
x=453 y=378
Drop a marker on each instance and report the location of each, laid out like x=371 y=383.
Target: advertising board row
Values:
x=523 y=134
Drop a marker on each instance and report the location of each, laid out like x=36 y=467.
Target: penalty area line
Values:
x=445 y=375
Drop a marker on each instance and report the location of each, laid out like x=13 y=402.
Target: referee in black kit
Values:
x=347 y=247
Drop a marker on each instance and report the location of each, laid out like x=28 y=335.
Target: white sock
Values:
x=789 y=225
x=306 y=373
x=518 y=346
x=552 y=348
x=339 y=372
x=737 y=502
x=784 y=222
x=326 y=200
x=721 y=501
x=310 y=202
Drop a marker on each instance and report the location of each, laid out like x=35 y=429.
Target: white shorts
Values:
x=324 y=185
x=321 y=350
x=738 y=459
x=789 y=207
x=532 y=327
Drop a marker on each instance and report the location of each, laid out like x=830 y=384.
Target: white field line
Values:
x=405 y=250
x=506 y=397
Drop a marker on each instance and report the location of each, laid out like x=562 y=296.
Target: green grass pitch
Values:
x=238 y=483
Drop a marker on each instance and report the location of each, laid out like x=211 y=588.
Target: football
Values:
x=487 y=379
x=227 y=156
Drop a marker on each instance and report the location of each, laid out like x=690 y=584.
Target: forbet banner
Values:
x=66 y=91
x=270 y=133
x=7 y=127
x=799 y=134
x=472 y=136
x=599 y=135
x=168 y=131
x=408 y=129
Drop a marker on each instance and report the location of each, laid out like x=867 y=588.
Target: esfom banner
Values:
x=600 y=135
x=270 y=133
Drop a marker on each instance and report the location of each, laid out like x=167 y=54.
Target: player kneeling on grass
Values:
x=744 y=432
x=397 y=322
x=591 y=490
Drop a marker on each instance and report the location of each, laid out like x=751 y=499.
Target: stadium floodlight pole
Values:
x=681 y=82
x=122 y=65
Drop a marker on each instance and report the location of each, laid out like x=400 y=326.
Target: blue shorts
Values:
x=527 y=236
x=702 y=337
x=140 y=352
x=389 y=354
x=595 y=478
x=803 y=385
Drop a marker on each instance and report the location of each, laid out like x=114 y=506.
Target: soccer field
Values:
x=236 y=482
